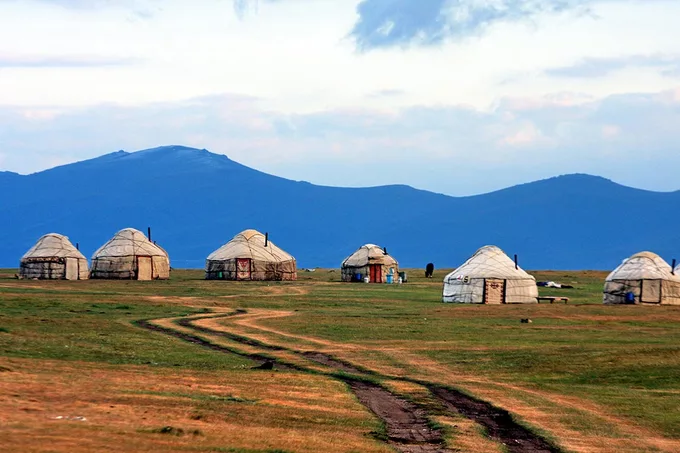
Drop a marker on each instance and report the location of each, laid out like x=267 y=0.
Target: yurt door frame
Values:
x=375 y=273
x=144 y=268
x=72 y=271
x=494 y=291
x=244 y=268
x=650 y=291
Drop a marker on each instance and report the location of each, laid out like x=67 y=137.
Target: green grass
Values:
x=83 y=326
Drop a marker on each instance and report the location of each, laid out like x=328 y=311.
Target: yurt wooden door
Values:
x=375 y=271
x=72 y=269
x=144 y=268
x=650 y=293
x=494 y=291
x=243 y=268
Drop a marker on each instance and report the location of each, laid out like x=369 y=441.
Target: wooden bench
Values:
x=552 y=299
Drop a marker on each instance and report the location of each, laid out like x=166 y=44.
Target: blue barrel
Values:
x=390 y=278
x=630 y=297
x=358 y=277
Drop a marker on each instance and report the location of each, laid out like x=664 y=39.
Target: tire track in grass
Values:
x=408 y=427
x=259 y=359
x=498 y=422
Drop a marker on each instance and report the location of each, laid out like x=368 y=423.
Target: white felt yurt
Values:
x=130 y=255
x=250 y=255
x=369 y=261
x=53 y=257
x=490 y=277
x=644 y=278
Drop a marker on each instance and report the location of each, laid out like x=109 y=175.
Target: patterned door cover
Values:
x=243 y=269
x=494 y=291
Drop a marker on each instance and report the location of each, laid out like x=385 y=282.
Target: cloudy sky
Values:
x=454 y=96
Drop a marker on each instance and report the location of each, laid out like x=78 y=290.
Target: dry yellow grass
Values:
x=125 y=406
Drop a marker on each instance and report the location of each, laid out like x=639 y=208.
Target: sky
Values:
x=454 y=96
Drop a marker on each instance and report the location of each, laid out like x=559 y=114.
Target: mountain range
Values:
x=195 y=201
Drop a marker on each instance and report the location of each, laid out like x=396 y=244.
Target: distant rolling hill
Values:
x=196 y=201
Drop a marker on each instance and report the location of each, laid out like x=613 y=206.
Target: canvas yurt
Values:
x=130 y=255
x=250 y=255
x=53 y=257
x=644 y=278
x=490 y=277
x=372 y=262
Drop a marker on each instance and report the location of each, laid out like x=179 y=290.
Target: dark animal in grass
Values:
x=429 y=270
x=268 y=365
x=525 y=320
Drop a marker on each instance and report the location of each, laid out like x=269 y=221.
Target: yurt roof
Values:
x=490 y=262
x=129 y=242
x=53 y=245
x=368 y=253
x=249 y=244
x=643 y=266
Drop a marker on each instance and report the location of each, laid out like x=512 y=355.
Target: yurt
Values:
x=644 y=278
x=250 y=255
x=53 y=257
x=370 y=261
x=490 y=277
x=130 y=255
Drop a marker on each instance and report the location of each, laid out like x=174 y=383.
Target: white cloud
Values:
x=304 y=64
x=668 y=65
x=63 y=61
x=527 y=135
x=610 y=131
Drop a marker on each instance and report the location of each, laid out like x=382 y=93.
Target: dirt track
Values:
x=332 y=362
x=499 y=423
x=257 y=358
x=408 y=426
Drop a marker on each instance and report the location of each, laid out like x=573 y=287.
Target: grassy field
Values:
x=587 y=376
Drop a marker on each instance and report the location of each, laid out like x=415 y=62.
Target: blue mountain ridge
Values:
x=195 y=201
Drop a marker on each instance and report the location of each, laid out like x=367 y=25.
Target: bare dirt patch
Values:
x=408 y=428
x=332 y=362
x=498 y=422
